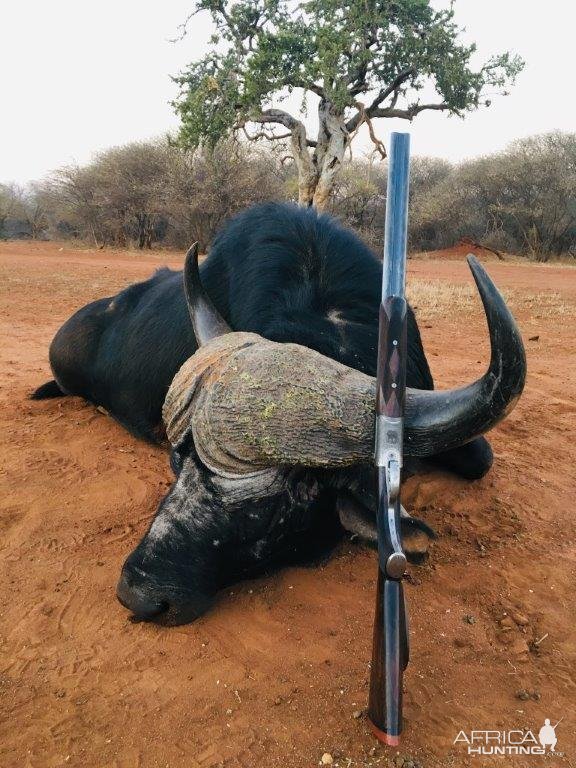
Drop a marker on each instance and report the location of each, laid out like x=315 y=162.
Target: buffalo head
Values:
x=270 y=439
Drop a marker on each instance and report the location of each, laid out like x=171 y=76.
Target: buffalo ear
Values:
x=416 y=537
x=356 y=518
x=359 y=521
x=207 y=322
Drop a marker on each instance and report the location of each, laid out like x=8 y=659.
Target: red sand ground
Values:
x=272 y=676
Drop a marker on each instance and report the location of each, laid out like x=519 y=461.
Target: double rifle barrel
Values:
x=390 y=649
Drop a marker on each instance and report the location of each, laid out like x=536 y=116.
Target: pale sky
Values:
x=76 y=77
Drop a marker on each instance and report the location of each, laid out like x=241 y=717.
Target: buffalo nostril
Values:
x=148 y=612
x=136 y=600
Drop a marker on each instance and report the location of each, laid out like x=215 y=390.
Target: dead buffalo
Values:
x=270 y=441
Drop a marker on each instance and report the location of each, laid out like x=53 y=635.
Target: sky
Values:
x=78 y=77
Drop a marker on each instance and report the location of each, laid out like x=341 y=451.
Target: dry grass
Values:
x=431 y=299
x=544 y=304
x=434 y=299
x=13 y=279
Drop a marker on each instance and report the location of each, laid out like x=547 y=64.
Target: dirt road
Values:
x=275 y=674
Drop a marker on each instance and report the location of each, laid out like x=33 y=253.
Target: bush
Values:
x=521 y=200
x=151 y=192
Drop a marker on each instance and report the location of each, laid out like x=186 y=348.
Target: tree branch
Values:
x=380 y=148
x=406 y=114
x=307 y=173
x=264 y=135
x=399 y=80
x=314 y=87
x=364 y=117
x=277 y=116
x=280 y=117
x=183 y=29
x=403 y=114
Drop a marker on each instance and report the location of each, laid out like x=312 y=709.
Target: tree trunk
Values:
x=142 y=221
x=332 y=142
x=307 y=173
x=317 y=171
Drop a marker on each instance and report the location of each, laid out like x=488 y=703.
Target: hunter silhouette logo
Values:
x=547 y=734
x=517 y=741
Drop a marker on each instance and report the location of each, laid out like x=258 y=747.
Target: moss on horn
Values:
x=249 y=403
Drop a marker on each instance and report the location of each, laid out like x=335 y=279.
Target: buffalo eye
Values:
x=176 y=462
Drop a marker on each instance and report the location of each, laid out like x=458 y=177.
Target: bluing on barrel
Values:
x=390 y=641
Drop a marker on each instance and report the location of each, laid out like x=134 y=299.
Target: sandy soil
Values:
x=274 y=674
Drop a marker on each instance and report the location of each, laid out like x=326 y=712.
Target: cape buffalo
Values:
x=287 y=274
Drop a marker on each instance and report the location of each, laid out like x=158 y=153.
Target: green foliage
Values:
x=388 y=50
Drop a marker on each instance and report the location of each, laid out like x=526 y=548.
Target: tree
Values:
x=529 y=191
x=521 y=200
x=147 y=192
x=358 y=60
x=71 y=196
x=117 y=198
x=6 y=206
x=207 y=187
x=33 y=211
x=131 y=185
x=22 y=213
x=359 y=195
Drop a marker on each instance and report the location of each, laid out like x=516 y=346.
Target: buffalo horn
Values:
x=206 y=320
x=438 y=420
